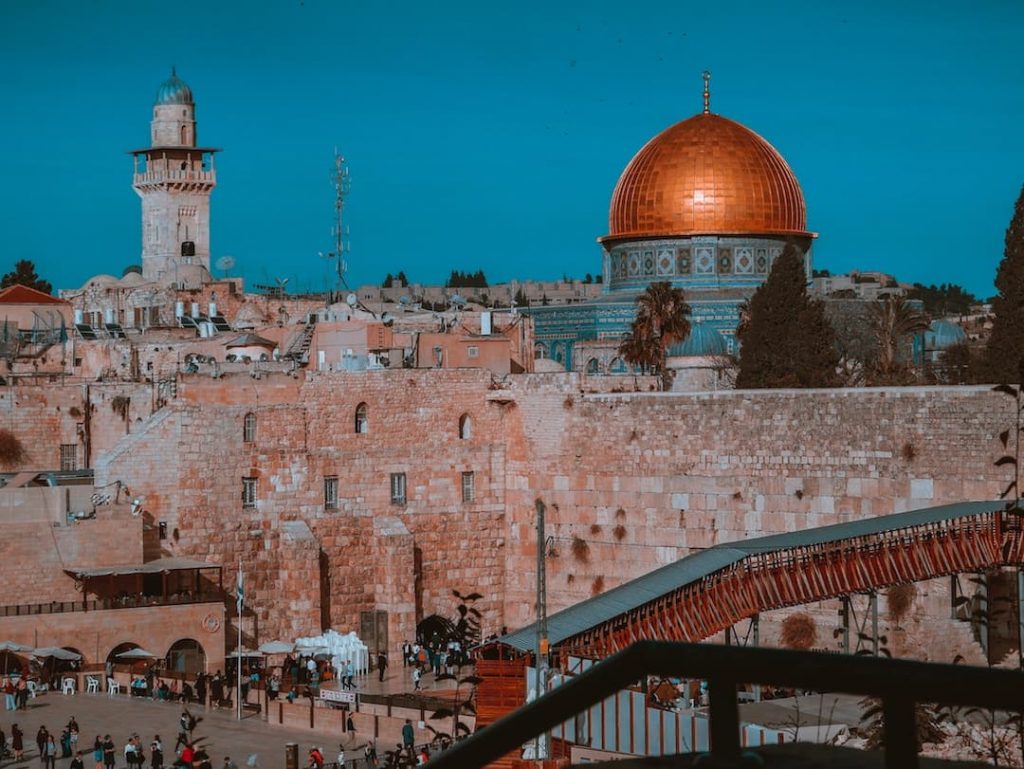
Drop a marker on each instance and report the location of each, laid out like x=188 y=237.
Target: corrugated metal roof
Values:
x=594 y=611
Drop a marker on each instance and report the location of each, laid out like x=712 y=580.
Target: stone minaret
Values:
x=174 y=177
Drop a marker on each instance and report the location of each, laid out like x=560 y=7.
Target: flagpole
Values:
x=238 y=661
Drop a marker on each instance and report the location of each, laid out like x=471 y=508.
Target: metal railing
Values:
x=105 y=604
x=899 y=684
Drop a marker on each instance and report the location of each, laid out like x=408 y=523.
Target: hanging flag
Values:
x=240 y=591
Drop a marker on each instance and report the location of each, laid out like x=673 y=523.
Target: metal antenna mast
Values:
x=342 y=246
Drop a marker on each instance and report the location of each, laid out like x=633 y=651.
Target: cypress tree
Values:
x=1005 y=351
x=788 y=341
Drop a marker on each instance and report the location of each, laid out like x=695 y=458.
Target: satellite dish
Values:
x=405 y=299
x=458 y=301
x=351 y=300
x=225 y=263
x=387 y=319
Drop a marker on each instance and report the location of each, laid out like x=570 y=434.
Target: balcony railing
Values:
x=899 y=684
x=158 y=177
x=105 y=604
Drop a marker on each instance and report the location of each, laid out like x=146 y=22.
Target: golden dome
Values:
x=707 y=175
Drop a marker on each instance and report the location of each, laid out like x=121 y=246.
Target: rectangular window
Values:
x=398 y=488
x=248 y=492
x=468 y=486
x=473 y=351
x=331 y=492
x=68 y=457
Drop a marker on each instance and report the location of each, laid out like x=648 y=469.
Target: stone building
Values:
x=706 y=205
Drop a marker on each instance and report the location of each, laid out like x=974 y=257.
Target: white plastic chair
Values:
x=67 y=686
x=92 y=684
x=113 y=687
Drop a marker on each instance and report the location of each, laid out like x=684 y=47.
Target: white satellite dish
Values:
x=225 y=263
x=351 y=300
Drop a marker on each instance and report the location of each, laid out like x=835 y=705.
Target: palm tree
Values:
x=893 y=320
x=662 y=319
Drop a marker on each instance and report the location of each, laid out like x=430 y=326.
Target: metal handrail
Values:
x=898 y=683
x=107 y=604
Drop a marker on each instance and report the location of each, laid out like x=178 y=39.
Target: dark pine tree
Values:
x=402 y=280
x=788 y=341
x=389 y=281
x=24 y=274
x=1005 y=351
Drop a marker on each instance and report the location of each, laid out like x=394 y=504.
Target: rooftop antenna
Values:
x=342 y=246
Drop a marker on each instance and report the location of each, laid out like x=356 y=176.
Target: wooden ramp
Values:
x=502 y=690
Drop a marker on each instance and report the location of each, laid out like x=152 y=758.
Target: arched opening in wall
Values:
x=556 y=353
x=435 y=629
x=540 y=351
x=56 y=664
x=114 y=662
x=593 y=366
x=465 y=427
x=362 y=419
x=249 y=428
x=186 y=656
x=618 y=366
x=184 y=134
x=11 y=662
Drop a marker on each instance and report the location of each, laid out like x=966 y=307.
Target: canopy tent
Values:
x=11 y=646
x=277 y=647
x=56 y=653
x=137 y=654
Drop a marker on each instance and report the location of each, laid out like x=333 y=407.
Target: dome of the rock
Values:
x=707 y=175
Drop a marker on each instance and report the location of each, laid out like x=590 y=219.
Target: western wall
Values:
x=642 y=478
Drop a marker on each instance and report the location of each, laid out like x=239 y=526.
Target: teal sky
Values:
x=490 y=135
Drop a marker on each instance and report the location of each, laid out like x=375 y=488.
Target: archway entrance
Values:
x=186 y=656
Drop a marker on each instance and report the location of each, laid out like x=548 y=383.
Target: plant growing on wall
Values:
x=799 y=631
x=12 y=451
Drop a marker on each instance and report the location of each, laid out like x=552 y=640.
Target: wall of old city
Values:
x=640 y=478
x=643 y=479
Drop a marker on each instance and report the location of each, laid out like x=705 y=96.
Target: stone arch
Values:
x=124 y=646
x=593 y=366
x=186 y=655
x=465 y=427
x=362 y=422
x=618 y=366
x=540 y=351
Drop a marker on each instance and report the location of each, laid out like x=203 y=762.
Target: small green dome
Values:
x=174 y=90
x=703 y=340
x=942 y=334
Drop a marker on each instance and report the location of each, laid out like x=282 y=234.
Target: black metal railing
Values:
x=106 y=604
x=899 y=684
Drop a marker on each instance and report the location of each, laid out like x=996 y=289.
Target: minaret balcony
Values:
x=161 y=177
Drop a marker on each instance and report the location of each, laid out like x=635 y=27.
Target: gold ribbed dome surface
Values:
x=706 y=175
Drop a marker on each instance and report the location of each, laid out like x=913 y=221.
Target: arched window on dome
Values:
x=249 y=428
x=540 y=351
x=465 y=427
x=593 y=366
x=362 y=419
x=184 y=134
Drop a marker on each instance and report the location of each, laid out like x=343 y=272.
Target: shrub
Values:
x=12 y=451
x=619 y=532
x=595 y=528
x=799 y=631
x=900 y=599
x=908 y=452
x=580 y=550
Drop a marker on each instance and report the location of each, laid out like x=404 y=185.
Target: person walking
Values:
x=382 y=665
x=9 y=690
x=97 y=752
x=340 y=760
x=406 y=654
x=76 y=762
x=350 y=727
x=41 y=736
x=350 y=673
x=17 y=742
x=370 y=754
x=408 y=735
x=156 y=753
x=417 y=674
x=50 y=753
x=108 y=752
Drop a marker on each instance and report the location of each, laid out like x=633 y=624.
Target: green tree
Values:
x=662 y=319
x=402 y=280
x=894 y=322
x=788 y=341
x=520 y=298
x=588 y=279
x=24 y=274
x=1005 y=350
x=389 y=281
x=945 y=299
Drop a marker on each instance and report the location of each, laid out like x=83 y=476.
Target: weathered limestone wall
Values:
x=641 y=478
x=679 y=472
